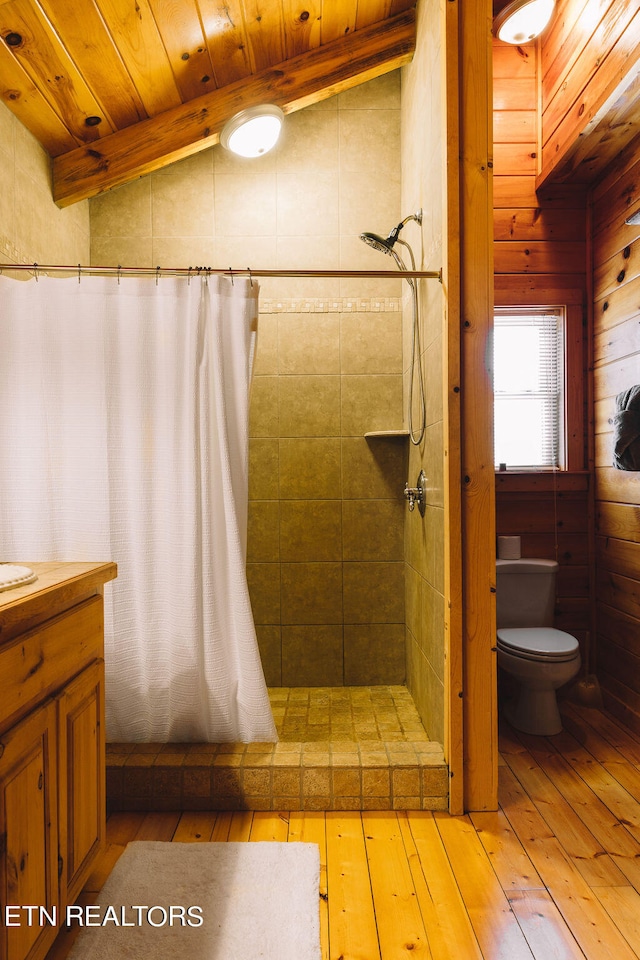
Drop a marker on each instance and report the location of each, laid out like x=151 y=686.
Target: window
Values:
x=528 y=370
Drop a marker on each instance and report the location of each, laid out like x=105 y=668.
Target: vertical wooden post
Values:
x=478 y=477
x=453 y=618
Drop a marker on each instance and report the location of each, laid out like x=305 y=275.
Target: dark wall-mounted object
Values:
x=626 y=430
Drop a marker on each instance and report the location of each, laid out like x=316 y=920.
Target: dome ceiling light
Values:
x=253 y=131
x=520 y=21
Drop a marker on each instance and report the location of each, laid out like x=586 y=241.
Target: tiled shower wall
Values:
x=325 y=544
x=423 y=185
x=32 y=228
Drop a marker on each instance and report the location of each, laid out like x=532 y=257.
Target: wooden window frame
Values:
x=575 y=426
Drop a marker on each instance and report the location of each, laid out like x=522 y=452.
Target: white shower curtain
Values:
x=124 y=436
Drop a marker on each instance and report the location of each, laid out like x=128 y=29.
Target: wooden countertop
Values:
x=59 y=586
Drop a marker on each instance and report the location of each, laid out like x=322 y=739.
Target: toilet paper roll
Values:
x=509 y=548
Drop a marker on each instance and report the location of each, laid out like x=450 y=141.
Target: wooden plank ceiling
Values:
x=114 y=89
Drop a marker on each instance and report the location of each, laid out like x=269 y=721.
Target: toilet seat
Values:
x=545 y=644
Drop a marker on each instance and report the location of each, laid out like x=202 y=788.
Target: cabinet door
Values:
x=82 y=777
x=28 y=833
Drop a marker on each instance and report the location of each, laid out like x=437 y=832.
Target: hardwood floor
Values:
x=554 y=874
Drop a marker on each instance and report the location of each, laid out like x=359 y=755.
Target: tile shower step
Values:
x=341 y=775
x=340 y=748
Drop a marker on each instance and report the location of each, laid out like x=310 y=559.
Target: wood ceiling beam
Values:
x=193 y=126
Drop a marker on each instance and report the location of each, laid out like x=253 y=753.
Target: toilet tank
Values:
x=525 y=592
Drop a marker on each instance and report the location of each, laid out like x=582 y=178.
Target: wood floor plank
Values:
x=401 y=929
x=195 y=827
x=560 y=818
x=353 y=933
x=122 y=827
x=310 y=827
x=547 y=934
x=618 y=736
x=222 y=826
x=623 y=805
x=626 y=774
x=613 y=761
x=507 y=855
x=509 y=742
x=571 y=766
x=572 y=747
x=623 y=906
x=270 y=827
x=596 y=934
x=493 y=921
x=593 y=741
x=592 y=793
x=240 y=826
x=445 y=916
x=158 y=826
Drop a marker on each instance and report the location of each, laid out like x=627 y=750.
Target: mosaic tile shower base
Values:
x=345 y=748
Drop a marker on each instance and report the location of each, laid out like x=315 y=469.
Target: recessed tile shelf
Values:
x=390 y=434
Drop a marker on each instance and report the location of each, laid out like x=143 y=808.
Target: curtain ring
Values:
x=189 y=277
x=231 y=274
x=250 y=277
x=79 y=272
x=35 y=271
x=157 y=274
x=119 y=269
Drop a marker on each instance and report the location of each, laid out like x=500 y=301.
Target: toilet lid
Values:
x=538 y=643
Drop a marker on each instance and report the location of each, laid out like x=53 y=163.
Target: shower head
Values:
x=385 y=245
x=377 y=242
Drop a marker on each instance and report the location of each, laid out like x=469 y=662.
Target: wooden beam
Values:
x=480 y=687
x=193 y=126
x=453 y=615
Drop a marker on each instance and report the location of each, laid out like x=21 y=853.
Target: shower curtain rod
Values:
x=118 y=271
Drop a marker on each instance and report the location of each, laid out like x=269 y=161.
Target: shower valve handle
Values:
x=412 y=494
x=418 y=494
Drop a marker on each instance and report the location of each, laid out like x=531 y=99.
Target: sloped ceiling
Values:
x=114 y=89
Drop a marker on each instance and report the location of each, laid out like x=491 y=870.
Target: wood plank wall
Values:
x=540 y=258
x=587 y=55
x=616 y=308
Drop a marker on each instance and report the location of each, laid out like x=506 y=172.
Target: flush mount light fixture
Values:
x=522 y=20
x=254 y=131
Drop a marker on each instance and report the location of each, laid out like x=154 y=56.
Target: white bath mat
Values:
x=206 y=901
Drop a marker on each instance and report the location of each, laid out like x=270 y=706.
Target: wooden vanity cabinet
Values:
x=81 y=777
x=52 y=749
x=29 y=830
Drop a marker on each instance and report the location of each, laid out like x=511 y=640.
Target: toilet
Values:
x=536 y=655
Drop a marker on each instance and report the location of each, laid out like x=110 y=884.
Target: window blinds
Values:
x=528 y=384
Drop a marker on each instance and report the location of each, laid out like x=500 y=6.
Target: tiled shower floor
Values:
x=340 y=748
